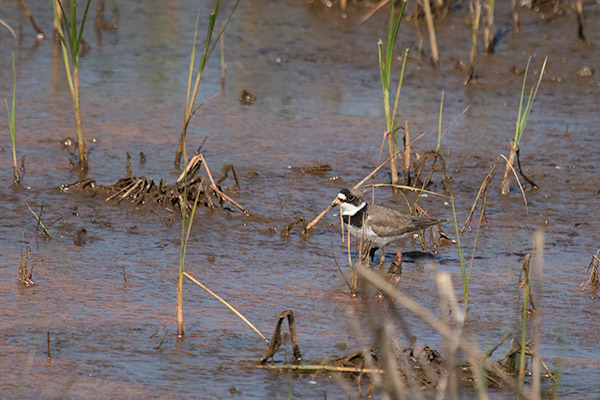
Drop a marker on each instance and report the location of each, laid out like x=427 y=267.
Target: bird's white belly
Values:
x=368 y=234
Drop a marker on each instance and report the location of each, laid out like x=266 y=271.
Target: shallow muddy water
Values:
x=318 y=101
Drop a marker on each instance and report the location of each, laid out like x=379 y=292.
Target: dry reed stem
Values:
x=475 y=9
x=435 y=58
x=392 y=154
x=275 y=342
x=515 y=16
x=488 y=32
x=38 y=31
x=581 y=21
x=447 y=304
x=592 y=270
x=194 y=163
x=536 y=384
x=481 y=194
x=164 y=327
x=373 y=11
x=483 y=191
x=179 y=307
x=39 y=221
x=477 y=360
x=406 y=154
x=311 y=368
x=191 y=278
x=505 y=185
x=7 y=26
x=341 y=273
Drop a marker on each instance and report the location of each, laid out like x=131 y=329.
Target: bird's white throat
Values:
x=351 y=209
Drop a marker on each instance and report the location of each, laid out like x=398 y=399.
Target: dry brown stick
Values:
x=200 y=158
x=340 y=269
x=226 y=304
x=435 y=58
x=39 y=33
x=120 y=191
x=527 y=179
x=505 y=185
x=226 y=197
x=475 y=9
x=373 y=11
x=518 y=181
x=7 y=26
x=580 y=22
x=164 y=327
x=406 y=154
x=515 y=16
x=488 y=32
x=482 y=189
x=135 y=186
x=536 y=368
x=393 y=166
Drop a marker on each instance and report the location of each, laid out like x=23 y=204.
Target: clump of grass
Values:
x=191 y=93
x=385 y=70
x=26 y=266
x=71 y=39
x=522 y=117
x=11 y=124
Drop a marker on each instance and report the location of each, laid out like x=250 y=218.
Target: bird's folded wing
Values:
x=387 y=222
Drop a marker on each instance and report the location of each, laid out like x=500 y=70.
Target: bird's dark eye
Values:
x=351 y=198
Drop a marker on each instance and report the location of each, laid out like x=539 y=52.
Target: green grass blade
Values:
x=519 y=131
x=440 y=123
x=191 y=69
x=382 y=70
x=223 y=28
x=84 y=18
x=398 y=90
x=463 y=271
x=523 y=115
x=389 y=45
x=64 y=44
x=204 y=58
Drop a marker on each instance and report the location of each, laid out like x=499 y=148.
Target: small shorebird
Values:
x=377 y=224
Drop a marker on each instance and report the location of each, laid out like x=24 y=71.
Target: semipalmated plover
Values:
x=376 y=224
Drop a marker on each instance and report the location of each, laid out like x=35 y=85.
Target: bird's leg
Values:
x=372 y=251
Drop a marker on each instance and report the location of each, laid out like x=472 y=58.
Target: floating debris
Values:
x=247 y=98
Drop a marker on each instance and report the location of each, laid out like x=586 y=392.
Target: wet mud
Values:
x=106 y=280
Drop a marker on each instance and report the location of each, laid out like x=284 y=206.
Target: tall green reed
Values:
x=70 y=39
x=11 y=124
x=187 y=215
x=522 y=117
x=191 y=93
x=385 y=70
x=187 y=220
